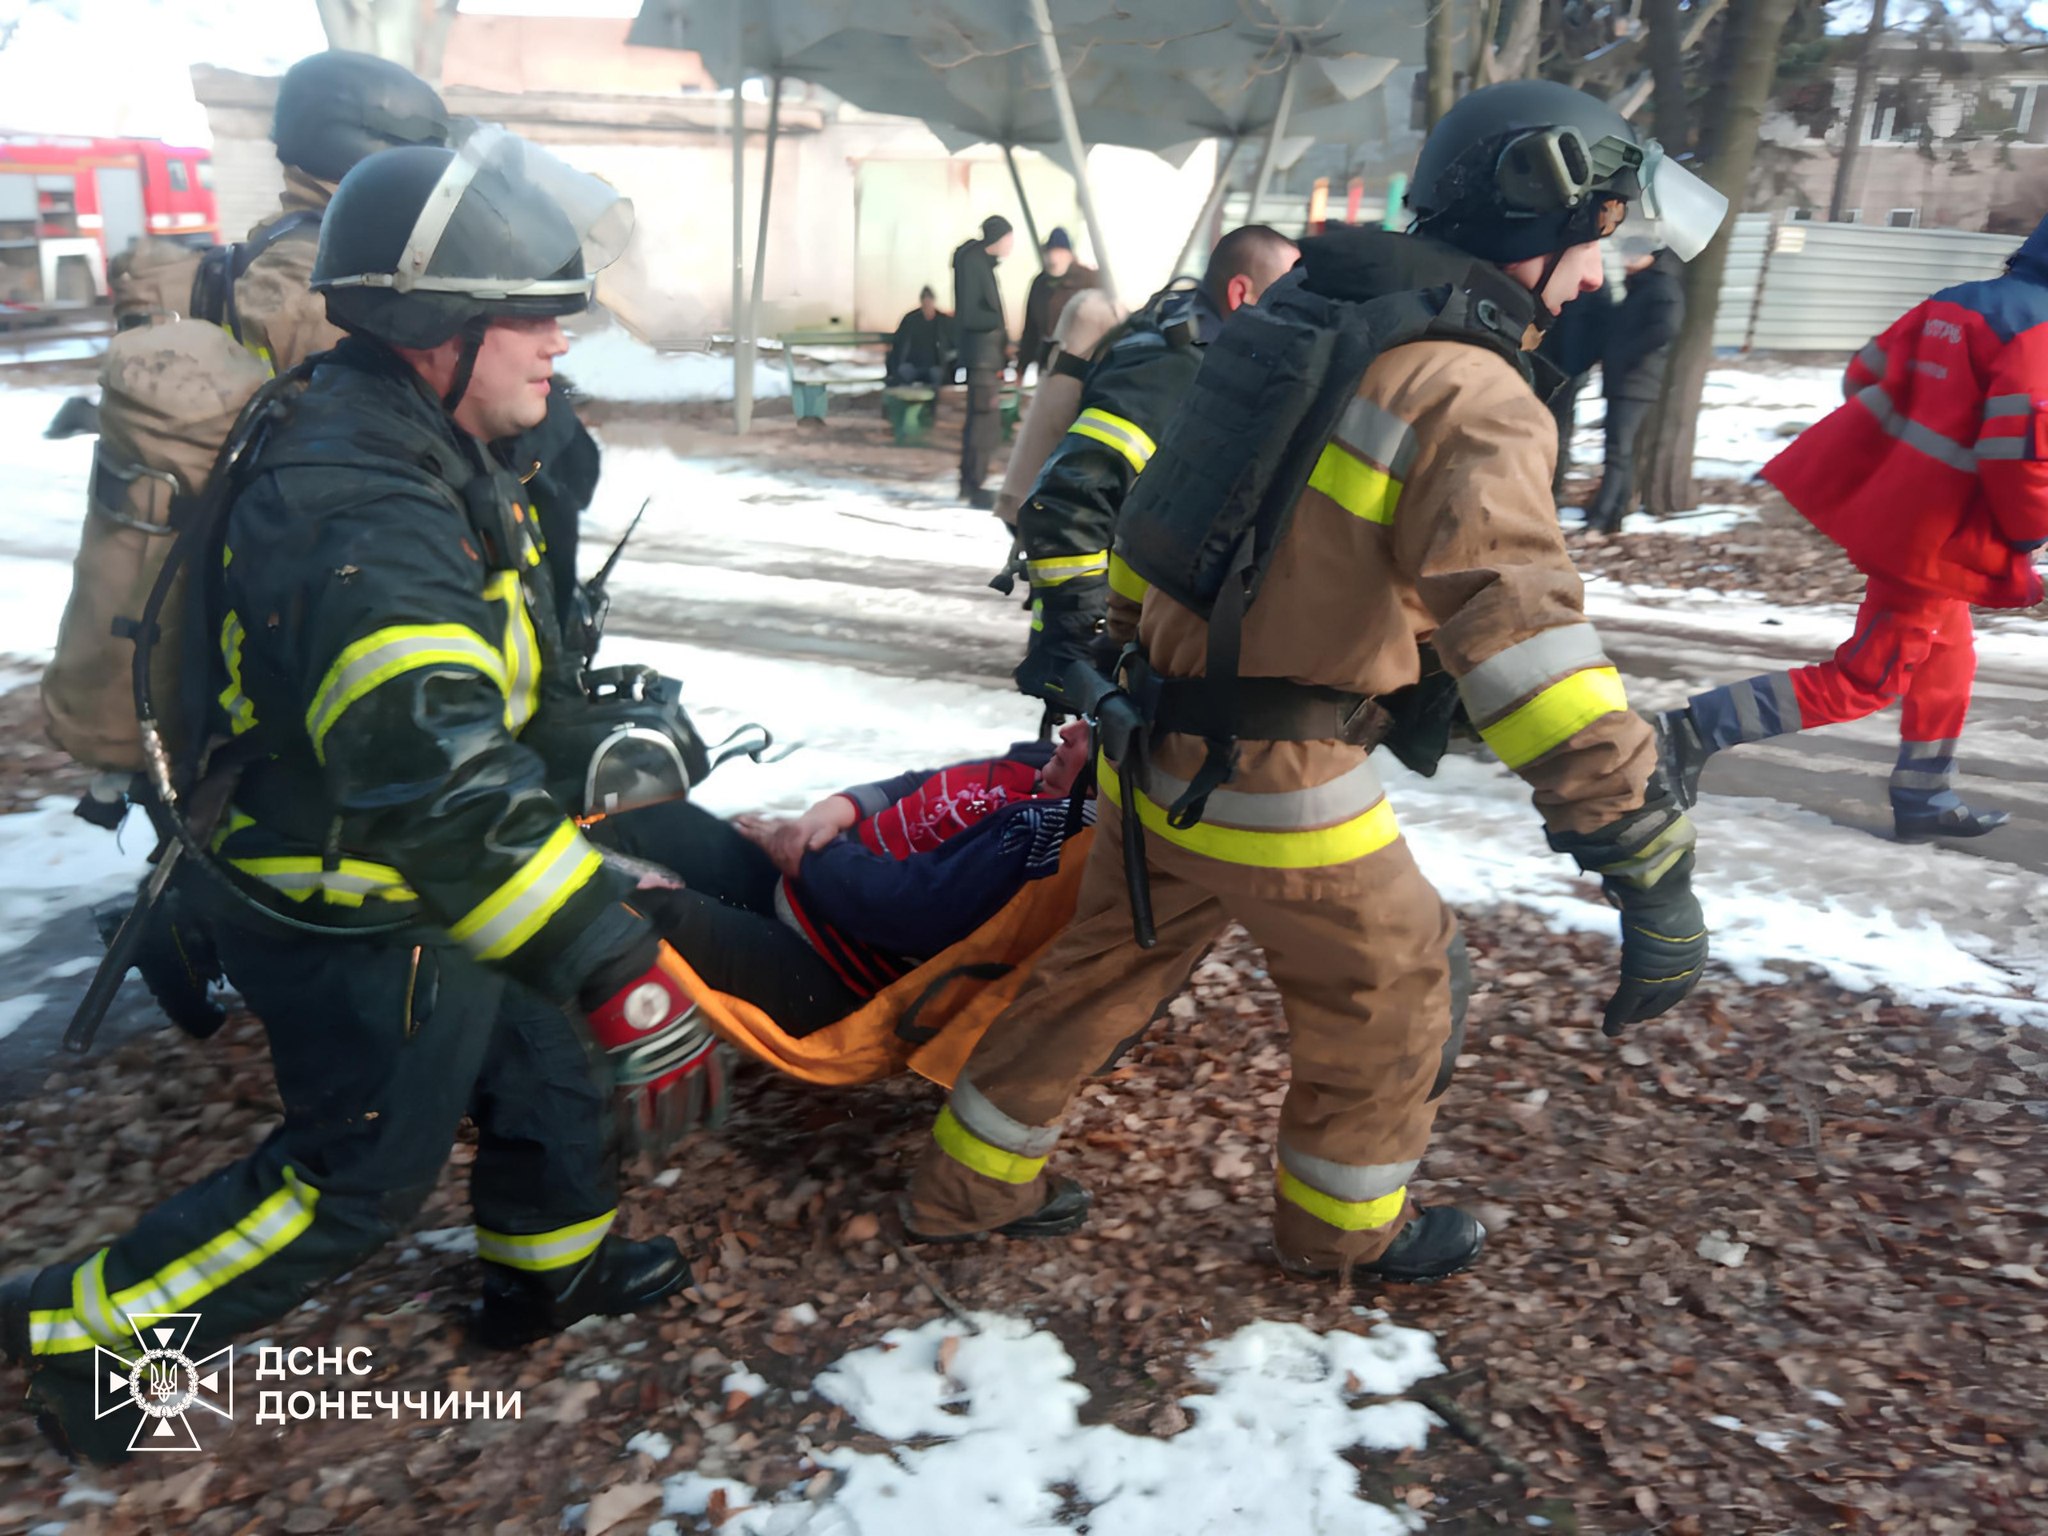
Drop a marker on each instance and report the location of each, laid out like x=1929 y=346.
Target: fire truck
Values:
x=66 y=205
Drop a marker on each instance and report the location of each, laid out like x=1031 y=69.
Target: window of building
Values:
x=1903 y=218
x=1852 y=216
x=1800 y=215
x=179 y=181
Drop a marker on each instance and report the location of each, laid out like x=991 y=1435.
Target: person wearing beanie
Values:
x=984 y=349
x=1051 y=291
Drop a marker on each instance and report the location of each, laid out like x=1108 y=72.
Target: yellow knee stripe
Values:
x=1344 y=1215
x=990 y=1161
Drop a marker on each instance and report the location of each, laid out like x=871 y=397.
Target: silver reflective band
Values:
x=1875 y=358
x=1324 y=805
x=984 y=1120
x=1915 y=778
x=1372 y=432
x=471 y=287
x=2008 y=405
x=1527 y=667
x=1354 y=1182
x=2003 y=448
x=432 y=223
x=1915 y=435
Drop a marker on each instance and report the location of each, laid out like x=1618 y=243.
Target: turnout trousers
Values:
x=1910 y=648
x=380 y=1049
x=1362 y=953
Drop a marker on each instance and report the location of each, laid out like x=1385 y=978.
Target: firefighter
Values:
x=422 y=930
x=333 y=109
x=1933 y=478
x=1426 y=515
x=1068 y=521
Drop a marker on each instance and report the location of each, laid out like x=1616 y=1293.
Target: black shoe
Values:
x=62 y=1403
x=982 y=501
x=520 y=1306
x=1956 y=821
x=1438 y=1241
x=1065 y=1212
x=175 y=958
x=1681 y=753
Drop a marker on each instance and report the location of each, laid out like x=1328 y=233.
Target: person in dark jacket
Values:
x=1573 y=345
x=923 y=348
x=1638 y=350
x=1051 y=291
x=423 y=931
x=808 y=918
x=984 y=349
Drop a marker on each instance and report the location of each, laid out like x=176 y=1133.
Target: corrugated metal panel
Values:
x=1739 y=283
x=1831 y=287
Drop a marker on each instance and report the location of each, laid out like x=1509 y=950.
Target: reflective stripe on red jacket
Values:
x=1935 y=473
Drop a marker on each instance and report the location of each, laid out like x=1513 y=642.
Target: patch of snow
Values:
x=17 y=1011
x=803 y=1315
x=743 y=1380
x=1826 y=1398
x=53 y=860
x=652 y=1444
x=87 y=1493
x=1264 y=1451
x=65 y=970
x=457 y=1242
x=613 y=364
x=1716 y=1248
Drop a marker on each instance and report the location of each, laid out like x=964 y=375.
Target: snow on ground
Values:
x=986 y=1435
x=1745 y=417
x=54 y=862
x=612 y=364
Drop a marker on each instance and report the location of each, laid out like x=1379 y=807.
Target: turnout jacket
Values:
x=1428 y=519
x=280 y=318
x=1067 y=523
x=388 y=669
x=1935 y=473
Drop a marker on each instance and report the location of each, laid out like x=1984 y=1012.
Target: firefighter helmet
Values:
x=336 y=108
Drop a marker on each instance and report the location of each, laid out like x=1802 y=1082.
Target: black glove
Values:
x=1645 y=862
x=1066 y=628
x=1663 y=946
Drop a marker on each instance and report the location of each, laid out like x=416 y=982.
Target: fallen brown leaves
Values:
x=1876 y=1361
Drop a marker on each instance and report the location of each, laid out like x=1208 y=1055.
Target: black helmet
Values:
x=1531 y=168
x=336 y=108
x=419 y=243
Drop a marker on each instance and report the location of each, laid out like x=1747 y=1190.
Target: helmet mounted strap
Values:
x=472 y=336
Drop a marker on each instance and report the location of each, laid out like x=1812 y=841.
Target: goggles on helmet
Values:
x=1556 y=168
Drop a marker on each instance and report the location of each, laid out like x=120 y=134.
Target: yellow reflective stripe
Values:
x=301 y=875
x=544 y=1250
x=57 y=1332
x=1125 y=436
x=521 y=648
x=1368 y=832
x=1655 y=859
x=241 y=712
x=519 y=908
x=1359 y=488
x=263 y=1233
x=1344 y=1215
x=984 y=1158
x=386 y=653
x=1058 y=568
x=1038 y=613
x=1124 y=581
x=1556 y=715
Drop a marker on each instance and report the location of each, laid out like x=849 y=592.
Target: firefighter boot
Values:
x=1954 y=821
x=62 y=1402
x=1681 y=752
x=1065 y=1212
x=1437 y=1242
x=520 y=1306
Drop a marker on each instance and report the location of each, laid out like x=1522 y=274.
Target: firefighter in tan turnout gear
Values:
x=1358 y=479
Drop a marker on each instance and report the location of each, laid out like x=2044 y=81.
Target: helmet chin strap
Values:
x=1545 y=315
x=472 y=334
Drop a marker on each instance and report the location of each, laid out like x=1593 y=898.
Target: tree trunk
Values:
x=408 y=32
x=1729 y=133
x=1516 y=56
x=1442 y=68
x=1673 y=115
x=1859 y=108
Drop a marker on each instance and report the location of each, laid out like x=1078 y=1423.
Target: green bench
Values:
x=809 y=394
x=910 y=408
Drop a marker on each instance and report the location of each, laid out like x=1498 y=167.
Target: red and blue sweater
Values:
x=936 y=854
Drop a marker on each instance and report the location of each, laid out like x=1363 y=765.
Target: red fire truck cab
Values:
x=66 y=205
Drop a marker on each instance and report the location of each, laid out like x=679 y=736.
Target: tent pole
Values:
x=742 y=346
x=1017 y=181
x=1205 y=221
x=1251 y=214
x=761 y=237
x=1070 y=129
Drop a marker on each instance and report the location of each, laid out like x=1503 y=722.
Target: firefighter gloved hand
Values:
x=1663 y=946
x=667 y=1064
x=1066 y=627
x=1645 y=864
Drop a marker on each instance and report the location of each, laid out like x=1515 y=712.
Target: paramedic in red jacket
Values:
x=1934 y=481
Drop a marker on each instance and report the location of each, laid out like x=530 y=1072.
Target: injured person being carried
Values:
x=810 y=918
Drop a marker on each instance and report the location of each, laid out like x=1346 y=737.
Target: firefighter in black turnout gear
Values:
x=445 y=940
x=1084 y=601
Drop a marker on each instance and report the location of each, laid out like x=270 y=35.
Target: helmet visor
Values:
x=509 y=221
x=1678 y=209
